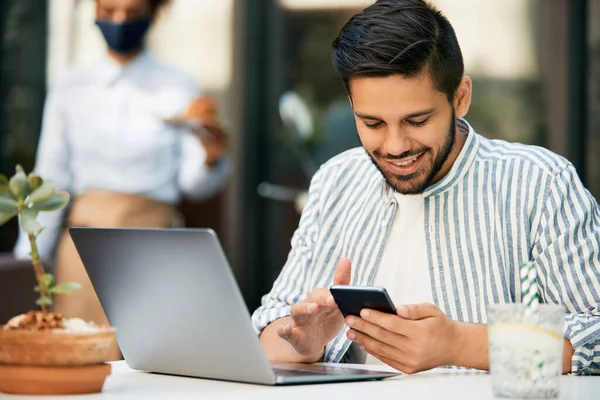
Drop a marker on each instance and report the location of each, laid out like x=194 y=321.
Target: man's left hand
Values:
x=418 y=338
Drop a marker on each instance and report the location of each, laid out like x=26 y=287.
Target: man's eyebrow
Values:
x=407 y=116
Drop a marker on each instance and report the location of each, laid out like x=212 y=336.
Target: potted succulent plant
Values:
x=41 y=352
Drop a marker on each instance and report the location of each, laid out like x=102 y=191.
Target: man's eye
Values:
x=374 y=125
x=418 y=123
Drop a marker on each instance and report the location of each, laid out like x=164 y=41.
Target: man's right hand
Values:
x=316 y=320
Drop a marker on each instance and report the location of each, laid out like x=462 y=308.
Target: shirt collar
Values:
x=110 y=71
x=459 y=168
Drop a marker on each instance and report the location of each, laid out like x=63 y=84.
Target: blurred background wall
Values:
x=535 y=66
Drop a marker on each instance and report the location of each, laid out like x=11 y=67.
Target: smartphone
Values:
x=352 y=299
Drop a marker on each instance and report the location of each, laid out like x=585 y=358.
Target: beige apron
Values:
x=107 y=210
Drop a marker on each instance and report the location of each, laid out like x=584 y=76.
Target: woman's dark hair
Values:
x=156 y=5
x=404 y=37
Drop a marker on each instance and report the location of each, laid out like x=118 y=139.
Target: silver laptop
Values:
x=178 y=309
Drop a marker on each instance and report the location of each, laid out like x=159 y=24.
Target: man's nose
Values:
x=397 y=142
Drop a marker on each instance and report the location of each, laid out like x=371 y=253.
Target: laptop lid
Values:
x=174 y=301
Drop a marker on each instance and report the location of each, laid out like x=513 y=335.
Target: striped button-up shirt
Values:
x=500 y=204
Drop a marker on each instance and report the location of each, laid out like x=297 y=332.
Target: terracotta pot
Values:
x=54 y=362
x=25 y=379
x=55 y=348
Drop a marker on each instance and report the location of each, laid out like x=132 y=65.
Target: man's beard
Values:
x=419 y=186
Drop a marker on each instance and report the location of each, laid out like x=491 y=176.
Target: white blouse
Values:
x=103 y=127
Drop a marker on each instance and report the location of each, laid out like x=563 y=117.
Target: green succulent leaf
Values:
x=65 y=288
x=44 y=300
x=47 y=281
x=4 y=217
x=29 y=222
x=18 y=184
x=42 y=193
x=3 y=182
x=4 y=191
x=34 y=182
x=8 y=205
x=8 y=209
x=57 y=201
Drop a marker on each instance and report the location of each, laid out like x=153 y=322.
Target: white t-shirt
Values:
x=404 y=270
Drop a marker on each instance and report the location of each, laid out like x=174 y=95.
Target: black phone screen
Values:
x=352 y=299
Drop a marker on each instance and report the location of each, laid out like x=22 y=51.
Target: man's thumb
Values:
x=342 y=272
x=418 y=311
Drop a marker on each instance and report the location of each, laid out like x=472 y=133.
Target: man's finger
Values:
x=342 y=272
x=418 y=311
x=295 y=337
x=303 y=311
x=395 y=364
x=374 y=346
x=394 y=357
x=322 y=297
x=389 y=322
x=289 y=334
x=304 y=308
x=376 y=331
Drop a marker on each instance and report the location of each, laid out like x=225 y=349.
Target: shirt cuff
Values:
x=264 y=316
x=583 y=331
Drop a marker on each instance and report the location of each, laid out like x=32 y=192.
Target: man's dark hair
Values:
x=404 y=37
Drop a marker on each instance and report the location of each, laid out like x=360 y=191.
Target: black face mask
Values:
x=124 y=37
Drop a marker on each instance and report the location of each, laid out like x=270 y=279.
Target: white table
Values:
x=439 y=384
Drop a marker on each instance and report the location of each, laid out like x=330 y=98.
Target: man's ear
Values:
x=462 y=99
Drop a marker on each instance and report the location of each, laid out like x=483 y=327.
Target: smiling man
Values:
x=439 y=215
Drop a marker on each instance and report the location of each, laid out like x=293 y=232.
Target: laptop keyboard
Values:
x=314 y=371
x=298 y=372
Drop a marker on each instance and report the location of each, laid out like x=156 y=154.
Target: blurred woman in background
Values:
x=113 y=136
